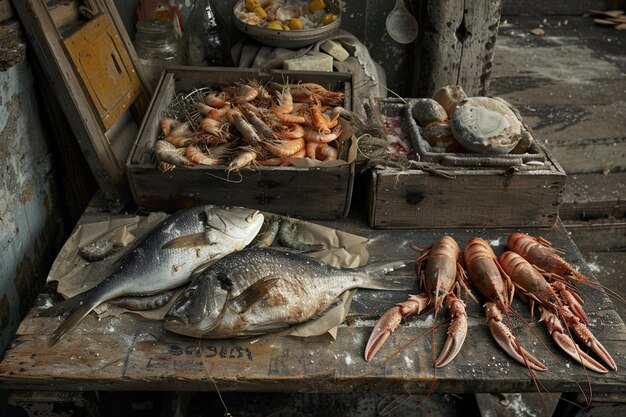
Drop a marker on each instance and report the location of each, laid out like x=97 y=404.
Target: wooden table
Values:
x=129 y=353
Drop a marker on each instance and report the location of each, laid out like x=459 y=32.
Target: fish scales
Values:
x=279 y=289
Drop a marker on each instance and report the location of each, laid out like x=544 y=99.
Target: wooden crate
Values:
x=310 y=193
x=451 y=192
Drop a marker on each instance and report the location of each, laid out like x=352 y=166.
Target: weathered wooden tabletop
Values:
x=130 y=353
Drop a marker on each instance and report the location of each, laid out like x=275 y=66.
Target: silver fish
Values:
x=166 y=257
x=258 y=291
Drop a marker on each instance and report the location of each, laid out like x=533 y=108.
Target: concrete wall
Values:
x=30 y=229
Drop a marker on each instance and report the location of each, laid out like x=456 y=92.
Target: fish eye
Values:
x=190 y=292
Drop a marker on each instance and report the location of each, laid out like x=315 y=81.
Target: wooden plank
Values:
x=566 y=91
x=47 y=43
x=104 y=68
x=418 y=199
x=128 y=353
x=595 y=196
x=455 y=45
x=559 y=8
x=590 y=155
x=604 y=235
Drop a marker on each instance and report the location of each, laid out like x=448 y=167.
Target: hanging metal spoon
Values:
x=400 y=24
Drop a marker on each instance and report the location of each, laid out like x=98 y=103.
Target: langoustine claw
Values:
x=507 y=340
x=567 y=344
x=390 y=321
x=492 y=281
x=534 y=286
x=442 y=275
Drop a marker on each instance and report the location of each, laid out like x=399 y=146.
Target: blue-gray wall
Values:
x=29 y=220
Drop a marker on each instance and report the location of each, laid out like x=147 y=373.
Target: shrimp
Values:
x=195 y=155
x=167 y=124
x=181 y=129
x=249 y=135
x=309 y=92
x=311 y=135
x=216 y=99
x=166 y=152
x=181 y=141
x=311 y=148
x=290 y=132
x=217 y=114
x=242 y=159
x=261 y=127
x=284 y=100
x=245 y=93
x=288 y=118
x=322 y=122
x=212 y=127
x=284 y=148
x=325 y=152
x=202 y=108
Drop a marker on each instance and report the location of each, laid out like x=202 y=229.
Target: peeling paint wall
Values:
x=29 y=219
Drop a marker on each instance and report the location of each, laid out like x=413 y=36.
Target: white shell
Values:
x=485 y=125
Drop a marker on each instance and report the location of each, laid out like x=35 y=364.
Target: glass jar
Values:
x=207 y=39
x=157 y=46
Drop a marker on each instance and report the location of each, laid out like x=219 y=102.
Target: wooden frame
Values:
x=105 y=154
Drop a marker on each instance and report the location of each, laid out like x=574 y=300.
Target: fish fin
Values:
x=202 y=267
x=72 y=320
x=253 y=293
x=189 y=241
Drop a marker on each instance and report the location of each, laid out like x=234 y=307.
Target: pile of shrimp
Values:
x=246 y=123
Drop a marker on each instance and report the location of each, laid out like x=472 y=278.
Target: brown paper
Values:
x=76 y=275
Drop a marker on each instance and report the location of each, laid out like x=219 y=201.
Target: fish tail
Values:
x=382 y=268
x=63 y=307
x=374 y=281
x=72 y=320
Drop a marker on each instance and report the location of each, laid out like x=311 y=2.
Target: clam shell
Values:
x=427 y=111
x=485 y=125
x=449 y=97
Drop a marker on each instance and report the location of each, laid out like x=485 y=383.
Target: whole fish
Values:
x=259 y=290
x=166 y=257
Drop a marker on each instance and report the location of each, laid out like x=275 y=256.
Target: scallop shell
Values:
x=426 y=111
x=449 y=97
x=485 y=125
